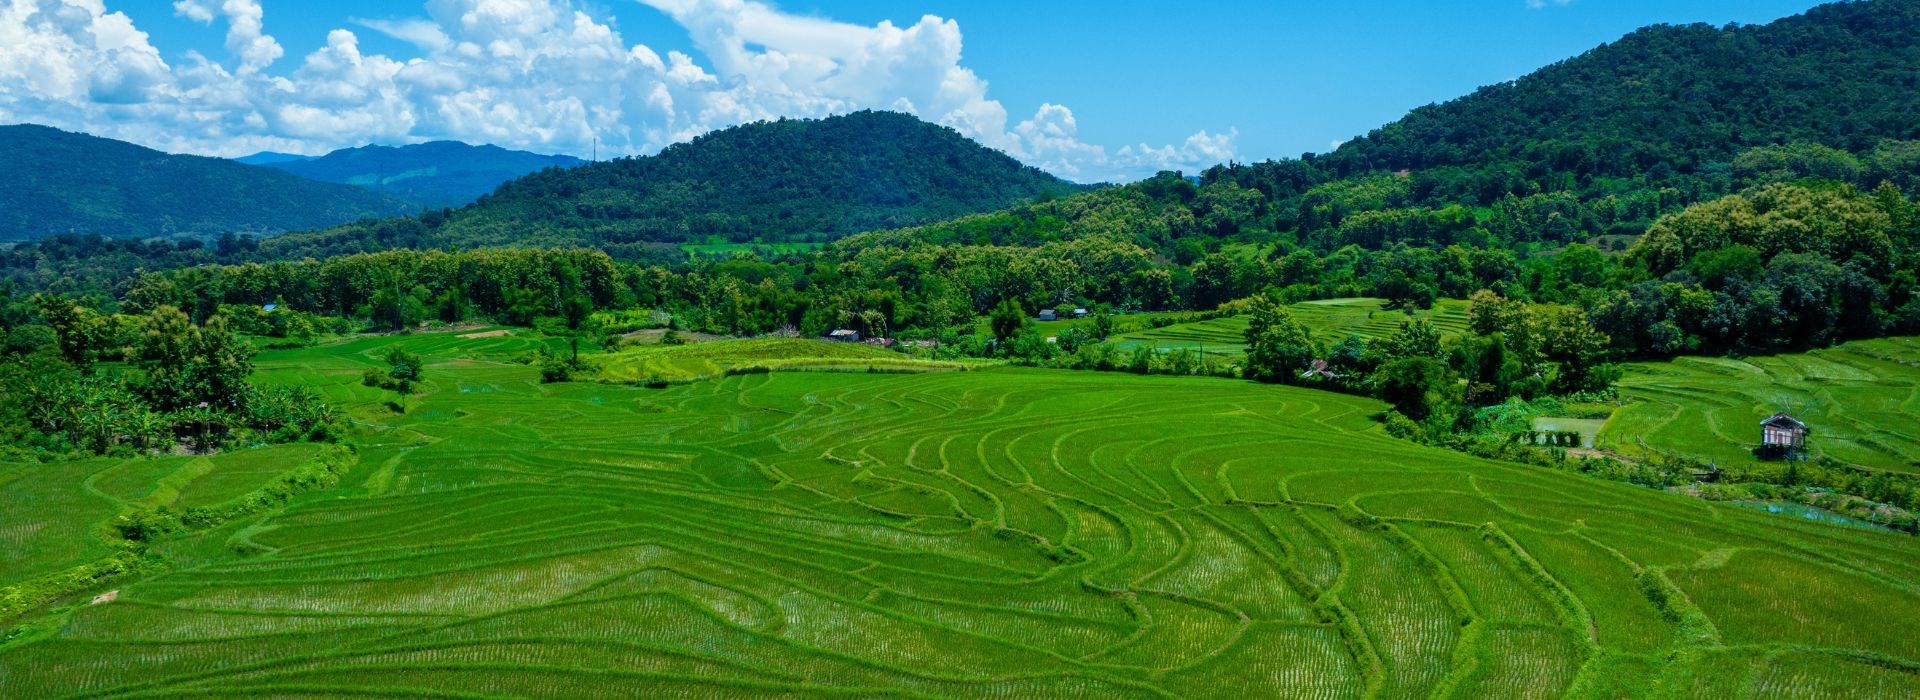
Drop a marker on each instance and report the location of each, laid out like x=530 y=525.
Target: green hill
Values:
x=435 y=174
x=59 y=182
x=1600 y=144
x=1678 y=98
x=791 y=180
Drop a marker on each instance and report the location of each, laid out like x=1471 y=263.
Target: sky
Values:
x=1091 y=91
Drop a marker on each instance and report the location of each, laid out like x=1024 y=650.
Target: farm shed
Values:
x=1783 y=432
x=845 y=336
x=1049 y=315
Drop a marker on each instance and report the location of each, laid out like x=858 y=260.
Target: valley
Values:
x=955 y=533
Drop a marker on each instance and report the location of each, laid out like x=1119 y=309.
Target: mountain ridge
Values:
x=787 y=180
x=58 y=181
x=435 y=173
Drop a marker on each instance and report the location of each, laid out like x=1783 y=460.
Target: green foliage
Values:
x=404 y=370
x=1279 y=348
x=22 y=597
x=813 y=180
x=553 y=367
x=1008 y=320
x=1838 y=223
x=1418 y=387
x=187 y=365
x=1609 y=114
x=322 y=472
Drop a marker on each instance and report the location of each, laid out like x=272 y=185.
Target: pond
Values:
x=1806 y=512
x=1588 y=428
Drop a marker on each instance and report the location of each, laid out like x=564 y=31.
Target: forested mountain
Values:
x=1598 y=145
x=56 y=182
x=435 y=174
x=779 y=181
x=1671 y=99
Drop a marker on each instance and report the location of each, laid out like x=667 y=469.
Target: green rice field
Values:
x=1861 y=400
x=999 y=532
x=1331 y=321
x=1335 y=319
x=709 y=360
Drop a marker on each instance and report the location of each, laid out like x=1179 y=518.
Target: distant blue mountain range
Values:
x=434 y=174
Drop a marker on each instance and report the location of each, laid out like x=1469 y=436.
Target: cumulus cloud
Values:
x=534 y=74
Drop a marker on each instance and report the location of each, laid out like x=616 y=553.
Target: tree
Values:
x=1416 y=338
x=1279 y=348
x=404 y=367
x=1716 y=268
x=1418 y=387
x=1007 y=320
x=188 y=366
x=81 y=334
x=404 y=370
x=1102 y=327
x=391 y=309
x=1569 y=340
x=575 y=310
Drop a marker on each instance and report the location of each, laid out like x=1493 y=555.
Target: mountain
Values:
x=56 y=181
x=1678 y=98
x=777 y=181
x=436 y=174
x=1590 y=149
x=270 y=157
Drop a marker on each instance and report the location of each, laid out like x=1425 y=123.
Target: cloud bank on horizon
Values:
x=539 y=75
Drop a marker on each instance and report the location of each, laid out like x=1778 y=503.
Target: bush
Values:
x=554 y=369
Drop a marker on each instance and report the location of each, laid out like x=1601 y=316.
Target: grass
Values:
x=1002 y=532
x=1860 y=399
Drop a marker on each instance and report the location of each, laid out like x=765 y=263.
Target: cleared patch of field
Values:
x=998 y=533
x=1861 y=400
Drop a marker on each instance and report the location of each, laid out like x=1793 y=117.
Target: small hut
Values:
x=1782 y=435
x=844 y=335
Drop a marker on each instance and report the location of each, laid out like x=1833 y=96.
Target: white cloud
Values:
x=419 y=32
x=533 y=74
x=1539 y=4
x=246 y=38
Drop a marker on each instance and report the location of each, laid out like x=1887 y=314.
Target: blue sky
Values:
x=1091 y=91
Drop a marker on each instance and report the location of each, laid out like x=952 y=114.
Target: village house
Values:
x=1782 y=435
x=844 y=335
x=1048 y=315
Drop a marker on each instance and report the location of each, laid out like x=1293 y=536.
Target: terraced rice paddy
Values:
x=1331 y=321
x=1220 y=335
x=1334 y=319
x=1862 y=400
x=997 y=533
x=667 y=363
